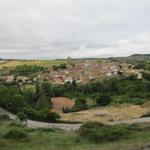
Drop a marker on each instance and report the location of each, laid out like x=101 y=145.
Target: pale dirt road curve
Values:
x=71 y=127
x=38 y=124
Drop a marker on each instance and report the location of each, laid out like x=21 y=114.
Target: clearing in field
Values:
x=60 y=102
x=109 y=113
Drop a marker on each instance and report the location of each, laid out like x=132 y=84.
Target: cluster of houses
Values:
x=88 y=71
x=81 y=72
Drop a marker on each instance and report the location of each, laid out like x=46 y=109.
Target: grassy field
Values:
x=30 y=87
x=60 y=140
x=44 y=63
x=108 y=113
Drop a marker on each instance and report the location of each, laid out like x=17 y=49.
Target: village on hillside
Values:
x=82 y=71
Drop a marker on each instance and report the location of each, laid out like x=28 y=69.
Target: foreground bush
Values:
x=16 y=134
x=41 y=115
x=21 y=116
x=99 y=133
x=4 y=117
x=103 y=100
x=80 y=104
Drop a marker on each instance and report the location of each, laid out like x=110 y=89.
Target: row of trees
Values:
x=61 y=66
x=26 y=70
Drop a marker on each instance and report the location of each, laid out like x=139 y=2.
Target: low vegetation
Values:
x=90 y=136
x=16 y=134
x=26 y=70
x=4 y=117
x=99 y=133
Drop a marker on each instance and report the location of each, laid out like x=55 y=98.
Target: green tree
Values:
x=46 y=115
x=80 y=104
x=44 y=102
x=103 y=100
x=17 y=103
x=29 y=97
x=47 y=89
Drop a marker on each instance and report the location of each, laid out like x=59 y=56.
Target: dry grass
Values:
x=110 y=113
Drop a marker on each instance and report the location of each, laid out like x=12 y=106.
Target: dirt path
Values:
x=70 y=127
x=38 y=124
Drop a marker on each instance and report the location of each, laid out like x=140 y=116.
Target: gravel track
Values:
x=71 y=127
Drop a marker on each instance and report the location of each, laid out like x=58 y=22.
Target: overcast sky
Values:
x=78 y=28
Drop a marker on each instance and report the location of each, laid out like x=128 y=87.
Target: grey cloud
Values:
x=77 y=28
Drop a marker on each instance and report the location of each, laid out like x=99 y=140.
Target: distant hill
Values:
x=140 y=56
x=132 y=58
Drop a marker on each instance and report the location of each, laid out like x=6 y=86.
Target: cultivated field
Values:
x=44 y=63
x=109 y=113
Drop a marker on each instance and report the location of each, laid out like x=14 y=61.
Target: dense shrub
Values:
x=21 y=116
x=30 y=112
x=16 y=124
x=126 y=99
x=47 y=115
x=41 y=115
x=103 y=100
x=46 y=88
x=4 y=117
x=16 y=134
x=99 y=133
x=61 y=66
x=11 y=99
x=120 y=99
x=80 y=104
x=43 y=102
x=46 y=130
x=146 y=75
x=137 y=101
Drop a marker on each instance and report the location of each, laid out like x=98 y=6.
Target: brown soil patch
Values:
x=60 y=102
